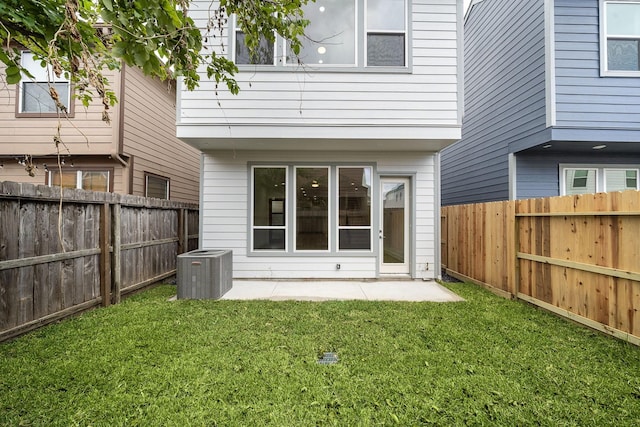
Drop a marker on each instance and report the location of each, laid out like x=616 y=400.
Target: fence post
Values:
x=183 y=240
x=105 y=254
x=117 y=254
x=516 y=249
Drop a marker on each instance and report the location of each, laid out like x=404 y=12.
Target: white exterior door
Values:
x=394 y=226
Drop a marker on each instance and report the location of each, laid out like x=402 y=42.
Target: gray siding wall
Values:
x=504 y=98
x=583 y=97
x=538 y=173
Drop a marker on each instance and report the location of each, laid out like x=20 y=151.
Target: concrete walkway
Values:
x=321 y=290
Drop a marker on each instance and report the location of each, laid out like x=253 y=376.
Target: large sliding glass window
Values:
x=312 y=209
x=269 y=208
x=354 y=212
x=348 y=34
x=331 y=208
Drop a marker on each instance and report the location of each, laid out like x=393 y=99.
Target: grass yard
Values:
x=151 y=362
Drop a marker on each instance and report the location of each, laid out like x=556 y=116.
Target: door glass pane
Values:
x=312 y=208
x=393 y=200
x=331 y=33
x=385 y=49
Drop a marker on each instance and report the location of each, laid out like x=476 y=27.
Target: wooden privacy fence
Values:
x=577 y=256
x=61 y=257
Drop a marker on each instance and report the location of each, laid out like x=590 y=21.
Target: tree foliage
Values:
x=82 y=38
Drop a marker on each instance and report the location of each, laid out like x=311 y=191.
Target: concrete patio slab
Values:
x=325 y=290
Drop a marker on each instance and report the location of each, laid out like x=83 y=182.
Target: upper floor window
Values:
x=593 y=179
x=34 y=97
x=620 y=38
x=341 y=33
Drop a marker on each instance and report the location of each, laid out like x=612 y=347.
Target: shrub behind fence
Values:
x=61 y=257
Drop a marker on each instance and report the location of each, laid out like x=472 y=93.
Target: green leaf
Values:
x=13 y=79
x=108 y=5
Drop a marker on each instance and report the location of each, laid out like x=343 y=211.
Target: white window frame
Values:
x=604 y=176
x=600 y=170
x=253 y=226
x=79 y=177
x=604 y=36
x=405 y=32
x=148 y=175
x=351 y=227
x=290 y=227
x=360 y=64
x=41 y=76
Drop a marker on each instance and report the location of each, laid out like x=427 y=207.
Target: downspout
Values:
x=118 y=155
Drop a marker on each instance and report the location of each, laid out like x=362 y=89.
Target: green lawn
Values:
x=151 y=362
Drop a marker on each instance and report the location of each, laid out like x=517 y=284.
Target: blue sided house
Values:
x=552 y=101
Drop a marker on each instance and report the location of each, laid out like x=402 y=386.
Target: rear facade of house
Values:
x=327 y=165
x=552 y=101
x=137 y=153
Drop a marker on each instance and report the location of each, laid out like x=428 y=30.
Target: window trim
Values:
x=19 y=92
x=290 y=250
x=153 y=175
x=360 y=45
x=251 y=216
x=604 y=37
x=600 y=170
x=79 y=170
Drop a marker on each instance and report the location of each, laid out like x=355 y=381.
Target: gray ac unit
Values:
x=204 y=273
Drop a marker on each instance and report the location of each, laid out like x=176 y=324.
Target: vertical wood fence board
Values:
x=26 y=248
x=55 y=268
x=9 y=227
x=41 y=271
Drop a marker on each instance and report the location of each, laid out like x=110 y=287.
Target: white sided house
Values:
x=327 y=166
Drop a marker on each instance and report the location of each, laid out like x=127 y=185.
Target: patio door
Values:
x=394 y=226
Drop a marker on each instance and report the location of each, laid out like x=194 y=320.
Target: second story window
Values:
x=621 y=37
x=341 y=33
x=34 y=95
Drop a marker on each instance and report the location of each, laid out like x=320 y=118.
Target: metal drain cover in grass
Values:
x=328 y=358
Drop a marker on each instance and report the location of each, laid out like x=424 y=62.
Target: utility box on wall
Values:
x=204 y=273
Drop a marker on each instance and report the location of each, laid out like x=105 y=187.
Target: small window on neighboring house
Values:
x=156 y=186
x=86 y=180
x=621 y=179
x=621 y=36
x=580 y=181
x=34 y=97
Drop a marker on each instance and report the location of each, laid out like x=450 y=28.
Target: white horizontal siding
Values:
x=425 y=96
x=225 y=201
